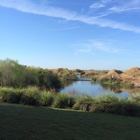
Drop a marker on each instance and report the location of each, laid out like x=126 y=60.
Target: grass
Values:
x=136 y=98
x=30 y=96
x=84 y=102
x=46 y=98
x=104 y=103
x=63 y=100
x=10 y=95
x=109 y=104
x=20 y=122
x=113 y=104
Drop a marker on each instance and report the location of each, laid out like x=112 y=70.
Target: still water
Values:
x=96 y=89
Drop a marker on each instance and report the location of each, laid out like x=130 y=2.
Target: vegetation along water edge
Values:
x=103 y=103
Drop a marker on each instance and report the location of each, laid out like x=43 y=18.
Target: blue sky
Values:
x=84 y=34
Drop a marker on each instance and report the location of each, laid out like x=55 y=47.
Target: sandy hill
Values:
x=114 y=73
x=65 y=73
x=61 y=71
x=130 y=76
x=135 y=71
x=89 y=73
x=94 y=72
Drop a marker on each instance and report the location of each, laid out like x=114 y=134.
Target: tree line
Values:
x=13 y=74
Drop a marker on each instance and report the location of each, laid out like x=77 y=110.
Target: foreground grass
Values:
x=20 y=122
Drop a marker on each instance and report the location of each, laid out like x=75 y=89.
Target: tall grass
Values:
x=26 y=96
x=116 y=105
x=30 y=96
x=46 y=98
x=108 y=103
x=64 y=100
x=104 y=103
x=136 y=98
x=84 y=102
x=10 y=95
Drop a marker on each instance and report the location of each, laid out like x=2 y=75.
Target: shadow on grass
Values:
x=19 y=122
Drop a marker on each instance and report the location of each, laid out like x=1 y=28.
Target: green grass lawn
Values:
x=20 y=122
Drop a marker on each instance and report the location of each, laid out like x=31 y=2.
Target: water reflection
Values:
x=96 y=88
x=119 y=89
x=115 y=88
x=80 y=78
x=67 y=83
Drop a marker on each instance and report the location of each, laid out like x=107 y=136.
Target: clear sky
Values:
x=84 y=34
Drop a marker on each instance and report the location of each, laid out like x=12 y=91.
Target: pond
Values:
x=96 y=89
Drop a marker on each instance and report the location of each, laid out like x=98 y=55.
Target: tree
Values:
x=31 y=76
x=16 y=75
x=48 y=79
x=11 y=73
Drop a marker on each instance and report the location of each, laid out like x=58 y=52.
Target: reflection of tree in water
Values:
x=115 y=88
x=66 y=83
x=131 y=90
x=118 y=89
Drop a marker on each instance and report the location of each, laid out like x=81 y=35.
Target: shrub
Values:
x=10 y=95
x=105 y=103
x=46 y=98
x=109 y=104
x=116 y=105
x=136 y=98
x=31 y=96
x=63 y=100
x=84 y=103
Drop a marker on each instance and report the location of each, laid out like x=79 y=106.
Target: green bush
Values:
x=136 y=98
x=83 y=102
x=13 y=74
x=10 y=95
x=109 y=104
x=104 y=103
x=31 y=96
x=46 y=98
x=63 y=100
x=116 y=105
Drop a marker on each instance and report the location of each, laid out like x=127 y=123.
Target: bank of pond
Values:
x=109 y=103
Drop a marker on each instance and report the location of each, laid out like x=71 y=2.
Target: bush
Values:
x=84 y=103
x=31 y=96
x=109 y=104
x=104 y=103
x=116 y=105
x=12 y=74
x=46 y=98
x=10 y=95
x=136 y=98
x=63 y=100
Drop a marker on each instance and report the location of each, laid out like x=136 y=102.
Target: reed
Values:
x=63 y=100
x=104 y=103
x=136 y=98
x=84 y=102
x=116 y=105
x=31 y=96
x=10 y=95
x=46 y=98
